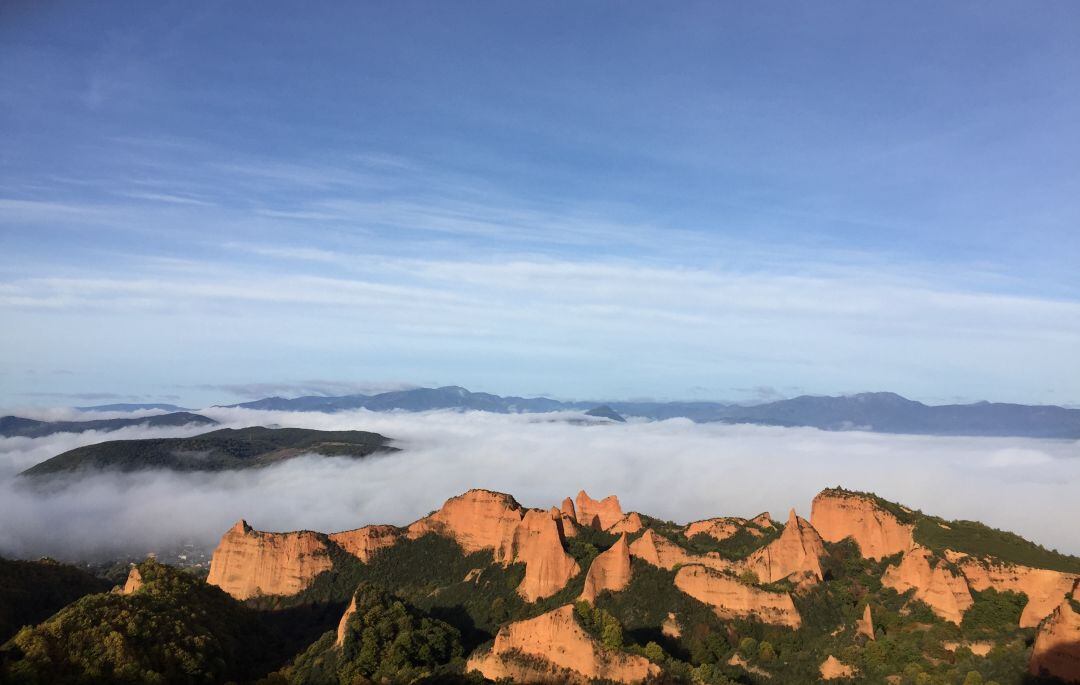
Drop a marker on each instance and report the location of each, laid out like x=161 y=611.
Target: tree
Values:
x=655 y=653
x=973 y=678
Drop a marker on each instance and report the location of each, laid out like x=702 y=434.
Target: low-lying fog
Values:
x=673 y=469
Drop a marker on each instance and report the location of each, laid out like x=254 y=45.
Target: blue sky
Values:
x=591 y=200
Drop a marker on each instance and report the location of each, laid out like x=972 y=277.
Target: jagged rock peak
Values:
x=599 y=514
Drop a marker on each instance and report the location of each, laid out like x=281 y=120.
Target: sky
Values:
x=731 y=201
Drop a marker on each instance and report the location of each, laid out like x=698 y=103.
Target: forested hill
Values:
x=220 y=450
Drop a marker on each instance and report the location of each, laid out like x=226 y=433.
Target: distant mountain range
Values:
x=133 y=407
x=16 y=426
x=220 y=450
x=882 y=412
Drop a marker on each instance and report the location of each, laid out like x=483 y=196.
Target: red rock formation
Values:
x=663 y=553
x=731 y=598
x=763 y=520
x=600 y=514
x=865 y=625
x=478 y=519
x=538 y=543
x=631 y=523
x=344 y=622
x=134 y=582
x=481 y=519
x=670 y=627
x=798 y=551
x=567 y=524
x=1044 y=588
x=839 y=514
x=608 y=571
x=934 y=583
x=1056 y=652
x=247 y=562
x=832 y=669
x=568 y=508
x=717 y=528
x=364 y=542
x=553 y=648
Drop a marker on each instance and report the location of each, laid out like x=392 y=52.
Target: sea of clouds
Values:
x=673 y=469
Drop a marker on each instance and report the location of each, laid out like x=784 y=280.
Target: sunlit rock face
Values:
x=732 y=598
x=1044 y=588
x=944 y=591
x=657 y=550
x=832 y=669
x=599 y=514
x=1056 y=652
x=249 y=563
x=362 y=543
x=485 y=520
x=553 y=648
x=797 y=552
x=610 y=570
x=837 y=515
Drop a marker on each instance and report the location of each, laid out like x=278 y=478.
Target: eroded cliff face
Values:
x=537 y=542
x=731 y=598
x=599 y=514
x=631 y=523
x=362 y=543
x=485 y=520
x=663 y=553
x=1044 y=588
x=720 y=528
x=609 y=571
x=945 y=592
x=553 y=648
x=248 y=563
x=567 y=524
x=344 y=622
x=837 y=515
x=797 y=552
x=477 y=520
x=133 y=583
x=1056 y=652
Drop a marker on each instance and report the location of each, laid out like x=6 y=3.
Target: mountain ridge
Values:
x=881 y=412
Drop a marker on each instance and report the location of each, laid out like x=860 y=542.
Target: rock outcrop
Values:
x=1056 y=652
x=631 y=523
x=671 y=627
x=610 y=570
x=343 y=624
x=1044 y=588
x=839 y=514
x=797 y=552
x=567 y=524
x=833 y=669
x=865 y=625
x=362 y=543
x=568 y=508
x=657 y=550
x=537 y=542
x=133 y=583
x=477 y=520
x=553 y=648
x=720 y=528
x=731 y=598
x=599 y=514
x=945 y=592
x=248 y=563
x=485 y=520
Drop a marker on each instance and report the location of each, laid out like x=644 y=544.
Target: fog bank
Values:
x=673 y=469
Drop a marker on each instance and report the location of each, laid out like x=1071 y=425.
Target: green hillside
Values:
x=220 y=450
